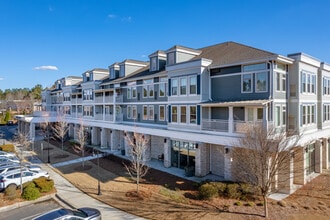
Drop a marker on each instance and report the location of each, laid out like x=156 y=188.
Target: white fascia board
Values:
x=325 y=66
x=284 y=59
x=189 y=64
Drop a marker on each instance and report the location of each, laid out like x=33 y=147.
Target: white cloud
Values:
x=127 y=19
x=112 y=16
x=45 y=68
x=1 y=78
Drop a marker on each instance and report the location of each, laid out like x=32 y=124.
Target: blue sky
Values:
x=44 y=40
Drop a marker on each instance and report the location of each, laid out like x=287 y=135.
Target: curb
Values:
x=26 y=203
x=62 y=202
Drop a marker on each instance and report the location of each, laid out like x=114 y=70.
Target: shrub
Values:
x=44 y=184
x=233 y=191
x=221 y=187
x=28 y=184
x=30 y=193
x=260 y=204
x=249 y=204
x=10 y=192
x=281 y=203
x=207 y=191
x=238 y=203
x=246 y=188
x=8 y=148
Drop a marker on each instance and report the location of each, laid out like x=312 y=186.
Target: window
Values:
x=183 y=86
x=162 y=89
x=131 y=90
x=134 y=112
x=193 y=85
x=280 y=115
x=183 y=116
x=260 y=114
x=88 y=94
x=250 y=114
x=326 y=112
x=129 y=112
x=153 y=64
x=88 y=111
x=246 y=83
x=193 y=114
x=254 y=67
x=174 y=87
x=145 y=91
x=280 y=82
x=145 y=112
x=151 y=112
x=161 y=113
x=308 y=82
x=261 y=82
x=148 y=90
x=174 y=114
x=326 y=86
x=129 y=93
x=151 y=91
x=281 y=66
x=308 y=114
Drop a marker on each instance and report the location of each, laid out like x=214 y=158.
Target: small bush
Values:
x=246 y=188
x=281 y=203
x=221 y=187
x=238 y=203
x=44 y=184
x=8 y=148
x=29 y=184
x=10 y=192
x=233 y=191
x=30 y=193
x=260 y=204
x=207 y=191
x=250 y=204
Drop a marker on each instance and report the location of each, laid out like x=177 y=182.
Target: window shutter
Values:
x=169 y=87
x=198 y=84
x=198 y=114
x=169 y=114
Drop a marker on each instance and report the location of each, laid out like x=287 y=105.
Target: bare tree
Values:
x=262 y=157
x=60 y=128
x=24 y=141
x=137 y=167
x=82 y=139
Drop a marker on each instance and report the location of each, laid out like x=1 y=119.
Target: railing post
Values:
x=231 y=119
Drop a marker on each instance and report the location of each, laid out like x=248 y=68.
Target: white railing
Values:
x=108 y=99
x=215 y=125
x=99 y=99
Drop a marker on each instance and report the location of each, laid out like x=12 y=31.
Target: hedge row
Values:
x=8 y=148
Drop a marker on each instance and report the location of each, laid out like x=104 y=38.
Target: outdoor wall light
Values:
x=226 y=150
x=165 y=140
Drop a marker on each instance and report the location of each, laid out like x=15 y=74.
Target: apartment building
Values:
x=194 y=104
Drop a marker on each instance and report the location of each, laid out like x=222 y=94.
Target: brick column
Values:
x=71 y=130
x=115 y=140
x=202 y=166
x=325 y=153
x=318 y=157
x=32 y=131
x=167 y=152
x=147 y=152
x=94 y=134
x=285 y=176
x=104 y=134
x=299 y=166
x=228 y=163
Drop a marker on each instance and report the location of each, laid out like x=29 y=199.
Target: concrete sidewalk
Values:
x=71 y=197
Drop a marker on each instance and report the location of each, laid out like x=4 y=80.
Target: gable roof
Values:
x=232 y=52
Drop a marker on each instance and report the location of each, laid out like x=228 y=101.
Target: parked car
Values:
x=17 y=166
x=4 y=153
x=14 y=177
x=61 y=214
x=8 y=159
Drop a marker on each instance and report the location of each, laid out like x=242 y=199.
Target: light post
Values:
x=98 y=175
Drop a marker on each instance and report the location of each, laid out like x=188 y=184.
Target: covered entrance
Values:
x=183 y=155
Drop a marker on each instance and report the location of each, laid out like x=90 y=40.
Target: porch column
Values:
x=231 y=119
x=147 y=152
x=299 y=166
x=265 y=117
x=202 y=164
x=115 y=140
x=71 y=130
x=76 y=129
x=32 y=131
x=285 y=176
x=167 y=153
x=325 y=153
x=228 y=163
x=318 y=157
x=104 y=134
x=95 y=137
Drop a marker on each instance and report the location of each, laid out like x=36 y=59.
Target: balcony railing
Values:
x=215 y=125
x=108 y=99
x=99 y=99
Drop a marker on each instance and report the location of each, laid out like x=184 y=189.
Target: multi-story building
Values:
x=194 y=104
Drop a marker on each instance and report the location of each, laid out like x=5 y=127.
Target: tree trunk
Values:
x=265 y=206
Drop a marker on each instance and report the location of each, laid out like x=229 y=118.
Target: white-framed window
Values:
x=145 y=112
x=193 y=115
x=148 y=88
x=280 y=115
x=88 y=111
x=151 y=112
x=174 y=114
x=145 y=91
x=171 y=58
x=151 y=91
x=183 y=114
x=326 y=112
x=280 y=82
x=174 y=87
x=326 y=86
x=193 y=85
x=134 y=92
x=308 y=114
x=129 y=112
x=247 y=83
x=183 y=86
x=88 y=94
x=254 y=67
x=162 y=113
x=134 y=112
x=162 y=89
x=308 y=82
x=131 y=90
x=261 y=81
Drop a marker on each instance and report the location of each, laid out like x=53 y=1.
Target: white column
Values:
x=104 y=143
x=231 y=119
x=147 y=152
x=32 y=131
x=318 y=157
x=325 y=154
x=228 y=163
x=265 y=117
x=115 y=140
x=167 y=153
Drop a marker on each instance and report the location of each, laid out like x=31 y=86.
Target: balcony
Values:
x=237 y=126
x=98 y=116
x=215 y=125
x=108 y=99
x=99 y=99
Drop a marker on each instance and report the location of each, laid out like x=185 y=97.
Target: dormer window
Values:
x=153 y=64
x=170 y=59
